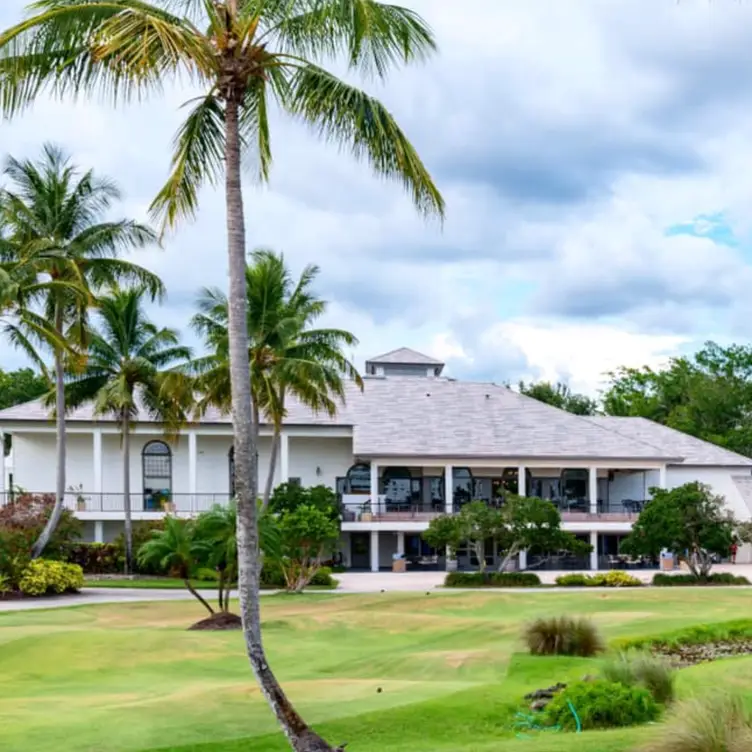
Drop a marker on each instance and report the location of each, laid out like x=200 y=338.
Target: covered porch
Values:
x=394 y=492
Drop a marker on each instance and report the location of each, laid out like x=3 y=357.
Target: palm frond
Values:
x=355 y=121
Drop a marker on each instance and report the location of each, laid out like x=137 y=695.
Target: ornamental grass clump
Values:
x=563 y=635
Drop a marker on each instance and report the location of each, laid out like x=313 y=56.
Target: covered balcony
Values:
x=403 y=493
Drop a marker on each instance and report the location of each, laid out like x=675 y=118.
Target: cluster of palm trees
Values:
x=247 y=56
x=86 y=308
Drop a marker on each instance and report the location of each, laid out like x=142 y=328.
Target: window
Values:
x=462 y=482
x=231 y=469
x=295 y=482
x=399 y=487
x=156 y=460
x=359 y=479
x=574 y=484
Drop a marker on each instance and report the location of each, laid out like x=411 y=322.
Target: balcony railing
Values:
x=80 y=501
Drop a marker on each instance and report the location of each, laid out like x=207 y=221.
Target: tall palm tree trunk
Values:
x=126 y=428
x=301 y=738
x=57 y=511
x=273 y=457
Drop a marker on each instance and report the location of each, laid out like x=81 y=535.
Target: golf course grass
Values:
x=398 y=672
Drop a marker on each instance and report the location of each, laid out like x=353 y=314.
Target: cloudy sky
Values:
x=596 y=160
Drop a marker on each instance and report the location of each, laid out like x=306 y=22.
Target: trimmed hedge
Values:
x=43 y=577
x=689 y=580
x=491 y=579
x=614 y=578
x=700 y=634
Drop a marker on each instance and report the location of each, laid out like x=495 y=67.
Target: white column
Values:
x=374 y=550
x=374 y=488
x=284 y=457
x=521 y=480
x=594 y=552
x=523 y=560
x=448 y=490
x=401 y=543
x=99 y=531
x=97 y=452
x=192 y=469
x=3 y=500
x=662 y=481
x=593 y=490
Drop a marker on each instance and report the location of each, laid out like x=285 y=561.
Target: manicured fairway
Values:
x=117 y=678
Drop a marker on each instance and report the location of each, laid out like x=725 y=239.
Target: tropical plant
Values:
x=179 y=550
x=243 y=53
x=54 y=218
x=217 y=527
x=288 y=357
x=132 y=367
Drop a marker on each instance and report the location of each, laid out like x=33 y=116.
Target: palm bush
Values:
x=642 y=669
x=563 y=635
x=718 y=723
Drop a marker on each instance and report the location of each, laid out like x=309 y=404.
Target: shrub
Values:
x=491 y=579
x=563 y=636
x=323 y=578
x=573 y=580
x=689 y=580
x=96 y=558
x=614 y=578
x=142 y=532
x=15 y=554
x=718 y=723
x=42 y=577
x=642 y=670
x=601 y=705
x=4 y=584
x=273 y=578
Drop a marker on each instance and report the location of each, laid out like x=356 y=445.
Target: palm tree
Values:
x=246 y=54
x=55 y=224
x=287 y=356
x=132 y=366
x=179 y=550
x=218 y=528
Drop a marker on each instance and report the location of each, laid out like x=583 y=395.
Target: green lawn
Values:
x=116 y=678
x=156 y=583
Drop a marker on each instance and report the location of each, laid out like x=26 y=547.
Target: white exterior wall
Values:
x=213 y=463
x=332 y=456
x=720 y=479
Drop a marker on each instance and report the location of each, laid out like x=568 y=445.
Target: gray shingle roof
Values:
x=443 y=418
x=694 y=451
x=406 y=356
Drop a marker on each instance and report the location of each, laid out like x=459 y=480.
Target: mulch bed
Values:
x=218 y=622
x=690 y=655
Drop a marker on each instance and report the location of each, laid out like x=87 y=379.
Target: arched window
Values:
x=156 y=466
x=399 y=487
x=358 y=479
x=231 y=469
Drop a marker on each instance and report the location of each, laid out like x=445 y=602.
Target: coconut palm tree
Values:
x=55 y=226
x=132 y=368
x=246 y=55
x=287 y=356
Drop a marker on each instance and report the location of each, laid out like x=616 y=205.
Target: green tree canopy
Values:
x=707 y=395
x=559 y=395
x=21 y=385
x=688 y=520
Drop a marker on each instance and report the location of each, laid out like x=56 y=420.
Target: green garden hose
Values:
x=525 y=723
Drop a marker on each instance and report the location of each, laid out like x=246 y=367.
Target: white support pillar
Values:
x=374 y=550
x=401 y=543
x=374 y=488
x=284 y=457
x=662 y=481
x=99 y=531
x=593 y=490
x=3 y=500
x=523 y=560
x=192 y=469
x=594 y=552
x=448 y=490
x=97 y=452
x=522 y=481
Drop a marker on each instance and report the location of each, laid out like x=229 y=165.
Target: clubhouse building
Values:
x=413 y=444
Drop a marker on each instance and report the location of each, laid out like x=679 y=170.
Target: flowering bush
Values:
x=42 y=577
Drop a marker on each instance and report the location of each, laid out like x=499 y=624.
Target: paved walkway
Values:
x=349 y=582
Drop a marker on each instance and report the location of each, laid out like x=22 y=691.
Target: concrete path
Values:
x=349 y=582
